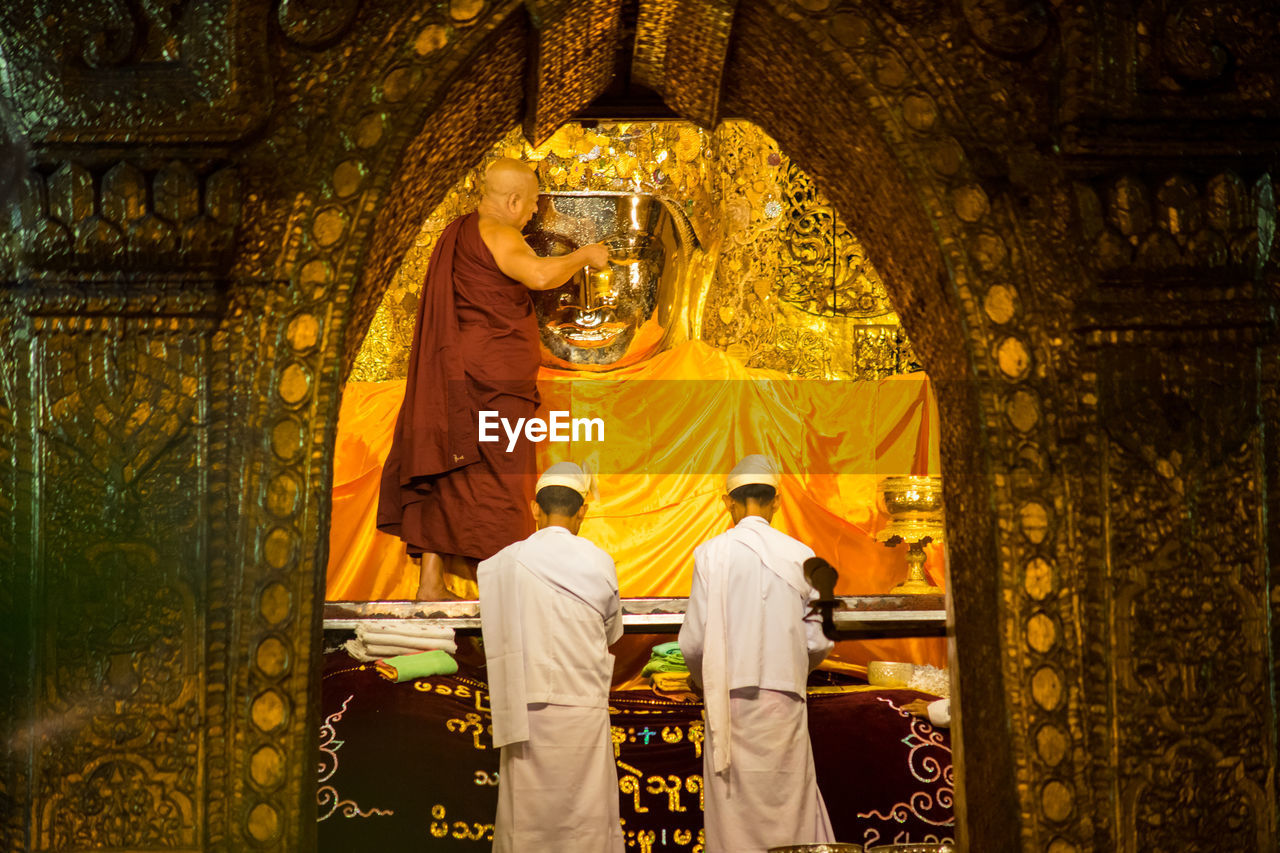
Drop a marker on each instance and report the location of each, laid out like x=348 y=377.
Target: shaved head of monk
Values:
x=510 y=192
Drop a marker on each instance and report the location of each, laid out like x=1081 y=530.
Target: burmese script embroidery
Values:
x=459 y=829
x=647 y=839
x=460 y=691
x=470 y=724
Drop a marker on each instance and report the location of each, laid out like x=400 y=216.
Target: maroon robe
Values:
x=475 y=347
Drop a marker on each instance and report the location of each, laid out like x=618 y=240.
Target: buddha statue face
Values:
x=606 y=319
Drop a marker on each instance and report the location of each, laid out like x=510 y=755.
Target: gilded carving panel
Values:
x=120 y=424
x=15 y=574
x=563 y=74
x=1201 y=74
x=1187 y=597
x=167 y=72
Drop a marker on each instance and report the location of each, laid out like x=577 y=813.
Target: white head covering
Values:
x=752 y=469
x=567 y=474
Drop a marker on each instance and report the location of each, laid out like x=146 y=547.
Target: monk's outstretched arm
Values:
x=516 y=259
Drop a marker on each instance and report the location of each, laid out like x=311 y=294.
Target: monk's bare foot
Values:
x=437 y=592
x=431 y=585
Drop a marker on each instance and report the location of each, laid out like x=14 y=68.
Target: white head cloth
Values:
x=752 y=469
x=567 y=474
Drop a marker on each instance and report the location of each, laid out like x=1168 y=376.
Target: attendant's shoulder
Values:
x=591 y=550
x=804 y=546
x=701 y=552
x=793 y=541
x=718 y=548
x=501 y=557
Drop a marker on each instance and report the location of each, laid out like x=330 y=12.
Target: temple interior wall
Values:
x=1070 y=209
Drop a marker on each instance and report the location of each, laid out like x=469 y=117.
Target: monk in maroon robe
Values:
x=453 y=499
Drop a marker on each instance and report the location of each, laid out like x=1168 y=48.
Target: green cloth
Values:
x=420 y=665
x=665 y=657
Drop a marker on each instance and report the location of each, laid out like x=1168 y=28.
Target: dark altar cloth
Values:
x=411 y=766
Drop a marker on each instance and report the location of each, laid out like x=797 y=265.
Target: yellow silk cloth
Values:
x=673 y=427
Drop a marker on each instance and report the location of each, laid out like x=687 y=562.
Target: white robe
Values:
x=749 y=639
x=549 y=609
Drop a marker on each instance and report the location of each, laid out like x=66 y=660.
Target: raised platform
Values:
x=858 y=615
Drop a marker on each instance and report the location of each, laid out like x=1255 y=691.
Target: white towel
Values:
x=408 y=628
x=366 y=652
x=393 y=637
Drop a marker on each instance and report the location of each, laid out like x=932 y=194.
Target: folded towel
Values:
x=420 y=665
x=674 y=685
x=418 y=645
x=665 y=657
x=409 y=628
x=408 y=641
x=366 y=652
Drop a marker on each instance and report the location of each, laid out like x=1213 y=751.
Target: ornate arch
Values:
x=927 y=220
x=423 y=113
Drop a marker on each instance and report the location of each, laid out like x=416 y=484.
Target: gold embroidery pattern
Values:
x=469 y=689
x=459 y=829
x=671 y=786
x=471 y=724
x=696 y=735
x=631 y=785
x=694 y=786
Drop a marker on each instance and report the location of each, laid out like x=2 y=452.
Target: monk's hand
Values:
x=917 y=707
x=595 y=256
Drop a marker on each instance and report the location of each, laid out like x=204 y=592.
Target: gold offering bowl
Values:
x=916 y=516
x=889 y=673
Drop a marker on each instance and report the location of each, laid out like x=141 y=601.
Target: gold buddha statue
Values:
x=623 y=314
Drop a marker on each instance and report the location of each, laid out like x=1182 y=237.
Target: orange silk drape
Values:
x=673 y=426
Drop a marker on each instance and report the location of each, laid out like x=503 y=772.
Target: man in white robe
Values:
x=750 y=640
x=549 y=610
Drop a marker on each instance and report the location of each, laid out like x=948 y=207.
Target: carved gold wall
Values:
x=1071 y=204
x=777 y=281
